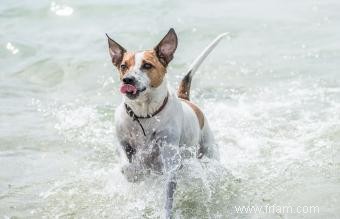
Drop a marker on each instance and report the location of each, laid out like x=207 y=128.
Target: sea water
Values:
x=270 y=90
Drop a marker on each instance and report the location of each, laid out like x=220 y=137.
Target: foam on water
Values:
x=271 y=92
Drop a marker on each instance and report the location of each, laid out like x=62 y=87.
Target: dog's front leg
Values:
x=133 y=170
x=171 y=163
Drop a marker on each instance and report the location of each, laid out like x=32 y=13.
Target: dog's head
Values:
x=141 y=72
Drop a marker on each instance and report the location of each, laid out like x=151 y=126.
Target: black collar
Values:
x=134 y=117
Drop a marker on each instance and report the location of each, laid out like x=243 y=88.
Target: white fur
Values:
x=152 y=98
x=176 y=125
x=171 y=136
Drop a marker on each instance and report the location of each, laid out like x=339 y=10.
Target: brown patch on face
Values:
x=198 y=112
x=157 y=72
x=129 y=61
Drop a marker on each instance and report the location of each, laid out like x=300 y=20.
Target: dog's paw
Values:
x=133 y=173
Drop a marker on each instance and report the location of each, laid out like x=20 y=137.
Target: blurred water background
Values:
x=271 y=91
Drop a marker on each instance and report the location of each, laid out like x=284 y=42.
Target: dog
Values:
x=156 y=127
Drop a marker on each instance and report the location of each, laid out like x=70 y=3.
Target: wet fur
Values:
x=170 y=136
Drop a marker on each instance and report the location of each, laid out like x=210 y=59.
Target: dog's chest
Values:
x=139 y=133
x=137 y=146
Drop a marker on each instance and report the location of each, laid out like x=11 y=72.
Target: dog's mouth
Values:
x=131 y=91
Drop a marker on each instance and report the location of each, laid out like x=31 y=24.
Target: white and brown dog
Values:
x=156 y=127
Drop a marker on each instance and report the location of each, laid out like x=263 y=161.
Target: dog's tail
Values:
x=183 y=91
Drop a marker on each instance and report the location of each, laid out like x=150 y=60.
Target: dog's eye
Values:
x=123 y=67
x=147 y=66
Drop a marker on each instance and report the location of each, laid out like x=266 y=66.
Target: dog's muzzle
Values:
x=129 y=87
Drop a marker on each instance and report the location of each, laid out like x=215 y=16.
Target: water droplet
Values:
x=11 y=48
x=61 y=10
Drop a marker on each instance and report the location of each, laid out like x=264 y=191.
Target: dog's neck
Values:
x=149 y=103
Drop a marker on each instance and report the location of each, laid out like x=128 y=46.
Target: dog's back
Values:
x=206 y=145
x=196 y=131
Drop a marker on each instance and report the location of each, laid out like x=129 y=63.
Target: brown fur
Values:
x=157 y=73
x=129 y=61
x=198 y=112
x=184 y=88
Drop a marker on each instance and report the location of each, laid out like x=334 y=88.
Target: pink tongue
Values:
x=125 y=88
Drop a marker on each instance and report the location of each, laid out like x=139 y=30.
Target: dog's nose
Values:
x=129 y=80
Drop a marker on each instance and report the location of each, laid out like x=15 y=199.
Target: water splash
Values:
x=61 y=10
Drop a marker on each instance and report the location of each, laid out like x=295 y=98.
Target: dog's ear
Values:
x=166 y=47
x=116 y=51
